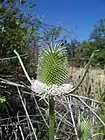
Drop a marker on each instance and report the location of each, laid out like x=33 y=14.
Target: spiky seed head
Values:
x=52 y=66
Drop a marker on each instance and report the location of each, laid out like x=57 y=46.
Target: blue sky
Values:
x=78 y=16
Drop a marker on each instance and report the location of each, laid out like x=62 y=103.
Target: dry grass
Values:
x=93 y=84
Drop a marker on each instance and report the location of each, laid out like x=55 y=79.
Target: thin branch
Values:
x=14 y=57
x=90 y=109
x=87 y=98
x=61 y=119
x=4 y=81
x=27 y=114
x=65 y=120
x=20 y=128
x=40 y=112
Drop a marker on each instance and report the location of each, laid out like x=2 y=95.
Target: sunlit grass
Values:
x=93 y=84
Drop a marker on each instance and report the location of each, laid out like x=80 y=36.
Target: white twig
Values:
x=98 y=134
x=75 y=130
x=87 y=98
x=65 y=120
x=61 y=119
x=4 y=81
x=27 y=114
x=40 y=112
x=9 y=58
x=20 y=128
x=89 y=109
x=22 y=65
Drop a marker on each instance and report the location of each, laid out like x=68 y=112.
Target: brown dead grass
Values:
x=94 y=80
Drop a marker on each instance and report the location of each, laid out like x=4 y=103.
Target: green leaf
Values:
x=17 y=23
x=85 y=130
x=2 y=100
x=3 y=30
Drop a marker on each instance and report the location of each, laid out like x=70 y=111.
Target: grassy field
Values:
x=93 y=84
x=93 y=87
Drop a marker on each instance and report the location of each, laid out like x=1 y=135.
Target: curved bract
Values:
x=52 y=66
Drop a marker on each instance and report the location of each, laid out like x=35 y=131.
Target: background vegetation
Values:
x=75 y=117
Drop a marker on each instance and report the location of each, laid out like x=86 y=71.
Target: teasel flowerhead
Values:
x=52 y=66
x=52 y=72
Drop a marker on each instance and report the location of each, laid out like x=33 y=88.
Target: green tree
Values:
x=16 y=32
x=51 y=35
x=84 y=50
x=98 y=33
x=72 y=48
x=97 y=39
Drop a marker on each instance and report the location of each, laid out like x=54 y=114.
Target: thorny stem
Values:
x=51 y=118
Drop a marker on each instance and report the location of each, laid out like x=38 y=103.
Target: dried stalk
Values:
x=22 y=65
x=27 y=115
x=40 y=112
x=75 y=130
x=89 y=109
x=20 y=128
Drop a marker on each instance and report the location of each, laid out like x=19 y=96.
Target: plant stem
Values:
x=51 y=118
